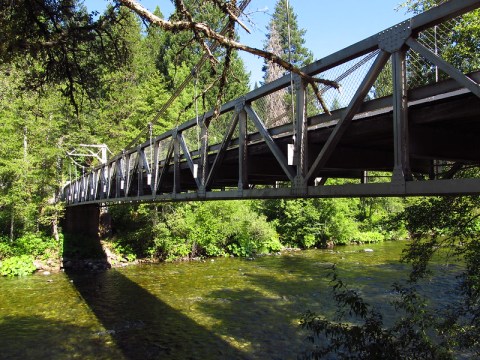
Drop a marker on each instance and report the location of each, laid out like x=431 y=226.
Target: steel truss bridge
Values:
x=414 y=140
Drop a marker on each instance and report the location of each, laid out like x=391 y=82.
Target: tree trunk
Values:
x=55 y=228
x=12 y=225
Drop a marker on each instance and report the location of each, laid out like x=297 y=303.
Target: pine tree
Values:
x=275 y=106
x=284 y=39
x=285 y=21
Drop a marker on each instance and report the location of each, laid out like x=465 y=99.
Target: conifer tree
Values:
x=286 y=24
x=286 y=40
x=275 y=106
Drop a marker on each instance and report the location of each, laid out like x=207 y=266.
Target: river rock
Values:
x=368 y=250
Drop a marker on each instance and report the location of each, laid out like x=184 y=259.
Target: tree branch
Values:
x=227 y=42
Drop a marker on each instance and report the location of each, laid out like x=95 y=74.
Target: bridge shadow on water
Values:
x=144 y=327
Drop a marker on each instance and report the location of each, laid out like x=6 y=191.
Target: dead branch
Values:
x=227 y=42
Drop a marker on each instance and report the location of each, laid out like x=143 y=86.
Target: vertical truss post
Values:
x=128 y=174
x=401 y=170
x=242 y=147
x=154 y=185
x=301 y=137
x=176 y=163
x=140 y=167
x=103 y=182
x=203 y=166
x=109 y=179
x=393 y=41
x=98 y=179
x=118 y=179
x=94 y=184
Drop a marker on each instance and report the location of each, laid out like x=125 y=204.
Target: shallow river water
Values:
x=213 y=309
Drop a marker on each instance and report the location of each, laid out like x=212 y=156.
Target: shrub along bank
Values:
x=245 y=228
x=174 y=231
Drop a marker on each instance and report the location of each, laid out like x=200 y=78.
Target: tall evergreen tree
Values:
x=275 y=106
x=292 y=37
x=286 y=40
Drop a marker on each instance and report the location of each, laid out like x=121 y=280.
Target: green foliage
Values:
x=358 y=331
x=60 y=43
x=133 y=228
x=440 y=223
x=35 y=244
x=307 y=223
x=6 y=248
x=445 y=230
x=214 y=228
x=17 y=266
x=298 y=222
x=124 y=250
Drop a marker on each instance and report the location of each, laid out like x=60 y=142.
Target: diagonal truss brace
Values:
x=221 y=152
x=349 y=113
x=188 y=157
x=160 y=177
x=454 y=73
x=270 y=142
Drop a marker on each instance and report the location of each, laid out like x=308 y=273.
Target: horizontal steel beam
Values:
x=450 y=187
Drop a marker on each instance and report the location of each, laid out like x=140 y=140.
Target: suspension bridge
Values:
x=406 y=123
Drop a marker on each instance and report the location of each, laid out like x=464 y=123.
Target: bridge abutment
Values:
x=87 y=220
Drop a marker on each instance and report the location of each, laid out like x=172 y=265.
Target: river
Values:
x=214 y=309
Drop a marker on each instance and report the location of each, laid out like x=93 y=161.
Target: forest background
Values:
x=44 y=120
x=103 y=85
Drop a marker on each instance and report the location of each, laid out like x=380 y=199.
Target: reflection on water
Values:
x=217 y=309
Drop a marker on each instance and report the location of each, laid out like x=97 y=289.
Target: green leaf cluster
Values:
x=215 y=228
x=17 y=266
x=307 y=223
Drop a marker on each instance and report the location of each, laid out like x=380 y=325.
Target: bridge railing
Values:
x=184 y=162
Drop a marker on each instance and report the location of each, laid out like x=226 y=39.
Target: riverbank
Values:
x=113 y=260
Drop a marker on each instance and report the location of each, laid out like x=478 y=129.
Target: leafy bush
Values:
x=37 y=245
x=213 y=229
x=124 y=250
x=298 y=222
x=6 y=249
x=365 y=237
x=359 y=330
x=17 y=266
